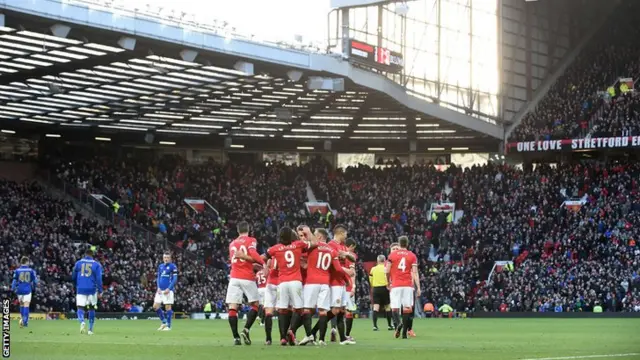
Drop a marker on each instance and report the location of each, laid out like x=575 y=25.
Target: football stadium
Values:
x=382 y=179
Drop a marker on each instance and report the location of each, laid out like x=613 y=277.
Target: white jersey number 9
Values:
x=290 y=258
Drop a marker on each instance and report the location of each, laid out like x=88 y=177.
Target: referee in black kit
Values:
x=380 y=293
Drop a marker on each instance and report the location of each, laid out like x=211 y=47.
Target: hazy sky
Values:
x=268 y=19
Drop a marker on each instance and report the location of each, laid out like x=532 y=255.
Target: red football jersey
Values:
x=288 y=260
x=242 y=269
x=338 y=278
x=402 y=261
x=261 y=280
x=321 y=263
x=350 y=264
x=272 y=277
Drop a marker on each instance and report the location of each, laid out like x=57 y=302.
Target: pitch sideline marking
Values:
x=585 y=357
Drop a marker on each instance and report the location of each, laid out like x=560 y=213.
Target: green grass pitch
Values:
x=441 y=339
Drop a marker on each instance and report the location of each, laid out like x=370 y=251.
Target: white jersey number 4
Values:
x=402 y=265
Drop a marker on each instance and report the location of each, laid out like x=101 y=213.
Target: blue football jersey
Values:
x=24 y=280
x=167 y=276
x=87 y=276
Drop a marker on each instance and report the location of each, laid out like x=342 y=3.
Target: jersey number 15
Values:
x=85 y=270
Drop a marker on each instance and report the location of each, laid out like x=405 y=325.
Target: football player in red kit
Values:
x=242 y=255
x=288 y=254
x=403 y=272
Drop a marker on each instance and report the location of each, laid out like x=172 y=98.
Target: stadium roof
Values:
x=86 y=85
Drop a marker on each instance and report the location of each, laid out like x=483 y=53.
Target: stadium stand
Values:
x=587 y=100
x=570 y=254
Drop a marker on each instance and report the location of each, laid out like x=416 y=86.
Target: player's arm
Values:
x=14 y=283
x=98 y=274
x=416 y=278
x=350 y=271
x=335 y=263
x=267 y=266
x=158 y=277
x=174 y=279
x=387 y=271
x=251 y=255
x=371 y=278
x=74 y=275
x=347 y=255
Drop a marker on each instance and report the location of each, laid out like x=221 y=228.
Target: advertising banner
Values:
x=375 y=56
x=601 y=143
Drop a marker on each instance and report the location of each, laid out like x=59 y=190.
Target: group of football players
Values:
x=307 y=272
x=304 y=273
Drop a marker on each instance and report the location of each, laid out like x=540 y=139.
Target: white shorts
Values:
x=401 y=297
x=290 y=294
x=261 y=292
x=351 y=303
x=317 y=295
x=339 y=296
x=270 y=296
x=24 y=298
x=239 y=287
x=86 y=300
x=164 y=299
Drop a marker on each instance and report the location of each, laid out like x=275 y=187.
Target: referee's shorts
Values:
x=381 y=295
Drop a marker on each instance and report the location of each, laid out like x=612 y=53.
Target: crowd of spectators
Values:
x=563 y=258
x=54 y=235
x=578 y=104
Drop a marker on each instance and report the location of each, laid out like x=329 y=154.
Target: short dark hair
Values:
x=350 y=242
x=166 y=253
x=339 y=227
x=287 y=235
x=243 y=227
x=323 y=232
x=88 y=252
x=403 y=241
x=300 y=227
x=24 y=260
x=395 y=244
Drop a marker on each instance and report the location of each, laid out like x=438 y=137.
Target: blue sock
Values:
x=25 y=316
x=169 y=317
x=80 y=315
x=161 y=315
x=92 y=319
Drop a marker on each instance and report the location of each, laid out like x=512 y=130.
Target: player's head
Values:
x=24 y=260
x=166 y=257
x=394 y=246
x=300 y=232
x=243 y=227
x=287 y=235
x=88 y=252
x=403 y=242
x=321 y=234
x=351 y=244
x=381 y=259
x=340 y=233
